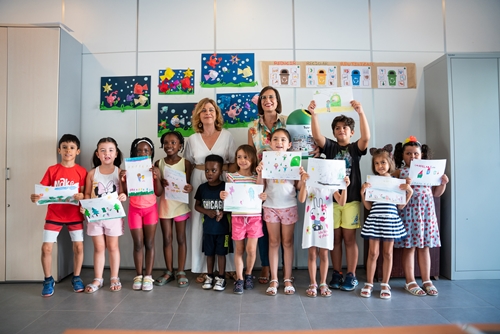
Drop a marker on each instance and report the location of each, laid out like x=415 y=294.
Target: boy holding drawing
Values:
x=65 y=173
x=346 y=218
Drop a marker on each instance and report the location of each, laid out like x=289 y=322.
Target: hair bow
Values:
x=387 y=148
x=412 y=139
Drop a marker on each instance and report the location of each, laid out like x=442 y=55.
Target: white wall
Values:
x=132 y=37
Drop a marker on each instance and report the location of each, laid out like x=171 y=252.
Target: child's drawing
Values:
x=385 y=190
x=227 y=70
x=176 y=82
x=281 y=165
x=57 y=195
x=427 y=172
x=122 y=93
x=176 y=183
x=326 y=173
x=243 y=198
x=103 y=208
x=139 y=176
x=336 y=100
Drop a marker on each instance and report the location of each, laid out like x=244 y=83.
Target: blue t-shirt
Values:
x=209 y=196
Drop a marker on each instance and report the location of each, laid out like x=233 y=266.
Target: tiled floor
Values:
x=23 y=310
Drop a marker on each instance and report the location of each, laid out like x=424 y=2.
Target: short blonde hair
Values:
x=197 y=124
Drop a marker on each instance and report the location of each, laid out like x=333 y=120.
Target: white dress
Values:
x=318 y=219
x=196 y=151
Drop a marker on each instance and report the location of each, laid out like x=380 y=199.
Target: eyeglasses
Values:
x=268 y=97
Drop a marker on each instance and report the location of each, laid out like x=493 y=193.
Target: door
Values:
x=3 y=145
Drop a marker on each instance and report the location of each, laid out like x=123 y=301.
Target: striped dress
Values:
x=383 y=223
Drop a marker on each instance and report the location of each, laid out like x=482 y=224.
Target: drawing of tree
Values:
x=116 y=207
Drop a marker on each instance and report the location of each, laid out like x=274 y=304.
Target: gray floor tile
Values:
x=137 y=320
x=55 y=322
x=338 y=302
x=409 y=317
x=102 y=300
x=259 y=302
x=342 y=319
x=197 y=300
x=471 y=314
x=266 y=321
x=13 y=321
x=215 y=321
x=160 y=300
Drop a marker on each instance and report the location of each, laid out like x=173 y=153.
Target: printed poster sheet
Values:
x=427 y=172
x=57 y=195
x=281 y=165
x=326 y=173
x=284 y=75
x=103 y=208
x=243 y=197
x=139 y=176
x=321 y=76
x=356 y=76
x=385 y=190
x=176 y=183
x=392 y=77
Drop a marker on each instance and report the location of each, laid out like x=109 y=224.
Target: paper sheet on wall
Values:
x=243 y=197
x=326 y=173
x=176 y=183
x=139 y=176
x=385 y=190
x=284 y=75
x=57 y=195
x=103 y=208
x=321 y=76
x=427 y=172
x=281 y=165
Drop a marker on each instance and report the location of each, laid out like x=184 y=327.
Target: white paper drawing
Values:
x=326 y=173
x=139 y=176
x=335 y=100
x=57 y=195
x=243 y=197
x=176 y=183
x=427 y=172
x=103 y=208
x=385 y=190
x=281 y=165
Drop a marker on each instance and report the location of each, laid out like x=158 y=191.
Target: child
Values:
x=245 y=225
x=318 y=231
x=215 y=222
x=102 y=180
x=346 y=218
x=65 y=173
x=382 y=224
x=280 y=215
x=421 y=214
x=143 y=217
x=174 y=211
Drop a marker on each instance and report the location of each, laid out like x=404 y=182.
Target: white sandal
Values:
x=367 y=293
x=416 y=291
x=386 y=289
x=91 y=288
x=289 y=290
x=272 y=290
x=115 y=284
x=429 y=289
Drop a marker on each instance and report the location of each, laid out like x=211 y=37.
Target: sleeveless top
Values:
x=170 y=208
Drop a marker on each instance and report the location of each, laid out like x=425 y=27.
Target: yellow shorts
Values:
x=346 y=216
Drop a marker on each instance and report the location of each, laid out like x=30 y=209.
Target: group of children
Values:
x=334 y=214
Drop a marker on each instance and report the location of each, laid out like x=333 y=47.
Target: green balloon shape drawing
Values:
x=295 y=162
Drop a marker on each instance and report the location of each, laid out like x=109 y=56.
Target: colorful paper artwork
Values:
x=56 y=195
x=336 y=99
x=281 y=165
x=326 y=173
x=392 y=77
x=175 y=117
x=243 y=197
x=385 y=190
x=321 y=76
x=176 y=82
x=238 y=109
x=103 y=208
x=356 y=76
x=227 y=70
x=284 y=75
x=124 y=93
x=139 y=176
x=427 y=172
x=176 y=183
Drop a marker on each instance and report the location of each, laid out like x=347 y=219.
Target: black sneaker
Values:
x=220 y=284
x=350 y=282
x=248 y=285
x=337 y=280
x=238 y=287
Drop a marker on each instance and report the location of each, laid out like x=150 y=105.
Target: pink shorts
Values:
x=182 y=218
x=246 y=227
x=110 y=227
x=138 y=217
x=286 y=216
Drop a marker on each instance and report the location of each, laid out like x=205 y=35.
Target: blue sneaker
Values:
x=48 y=287
x=77 y=284
x=350 y=282
x=238 y=287
x=337 y=280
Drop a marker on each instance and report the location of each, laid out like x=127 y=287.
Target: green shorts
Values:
x=347 y=216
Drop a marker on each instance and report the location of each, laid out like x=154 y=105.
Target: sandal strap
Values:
x=371 y=285
x=180 y=273
x=427 y=282
x=385 y=285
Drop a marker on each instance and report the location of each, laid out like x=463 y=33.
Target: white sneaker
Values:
x=137 y=283
x=208 y=284
x=147 y=283
x=220 y=284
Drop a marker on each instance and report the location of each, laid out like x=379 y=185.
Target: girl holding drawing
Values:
x=280 y=215
x=143 y=218
x=245 y=225
x=419 y=218
x=102 y=180
x=382 y=224
x=318 y=231
x=174 y=211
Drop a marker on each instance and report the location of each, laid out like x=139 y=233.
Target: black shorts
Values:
x=217 y=244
